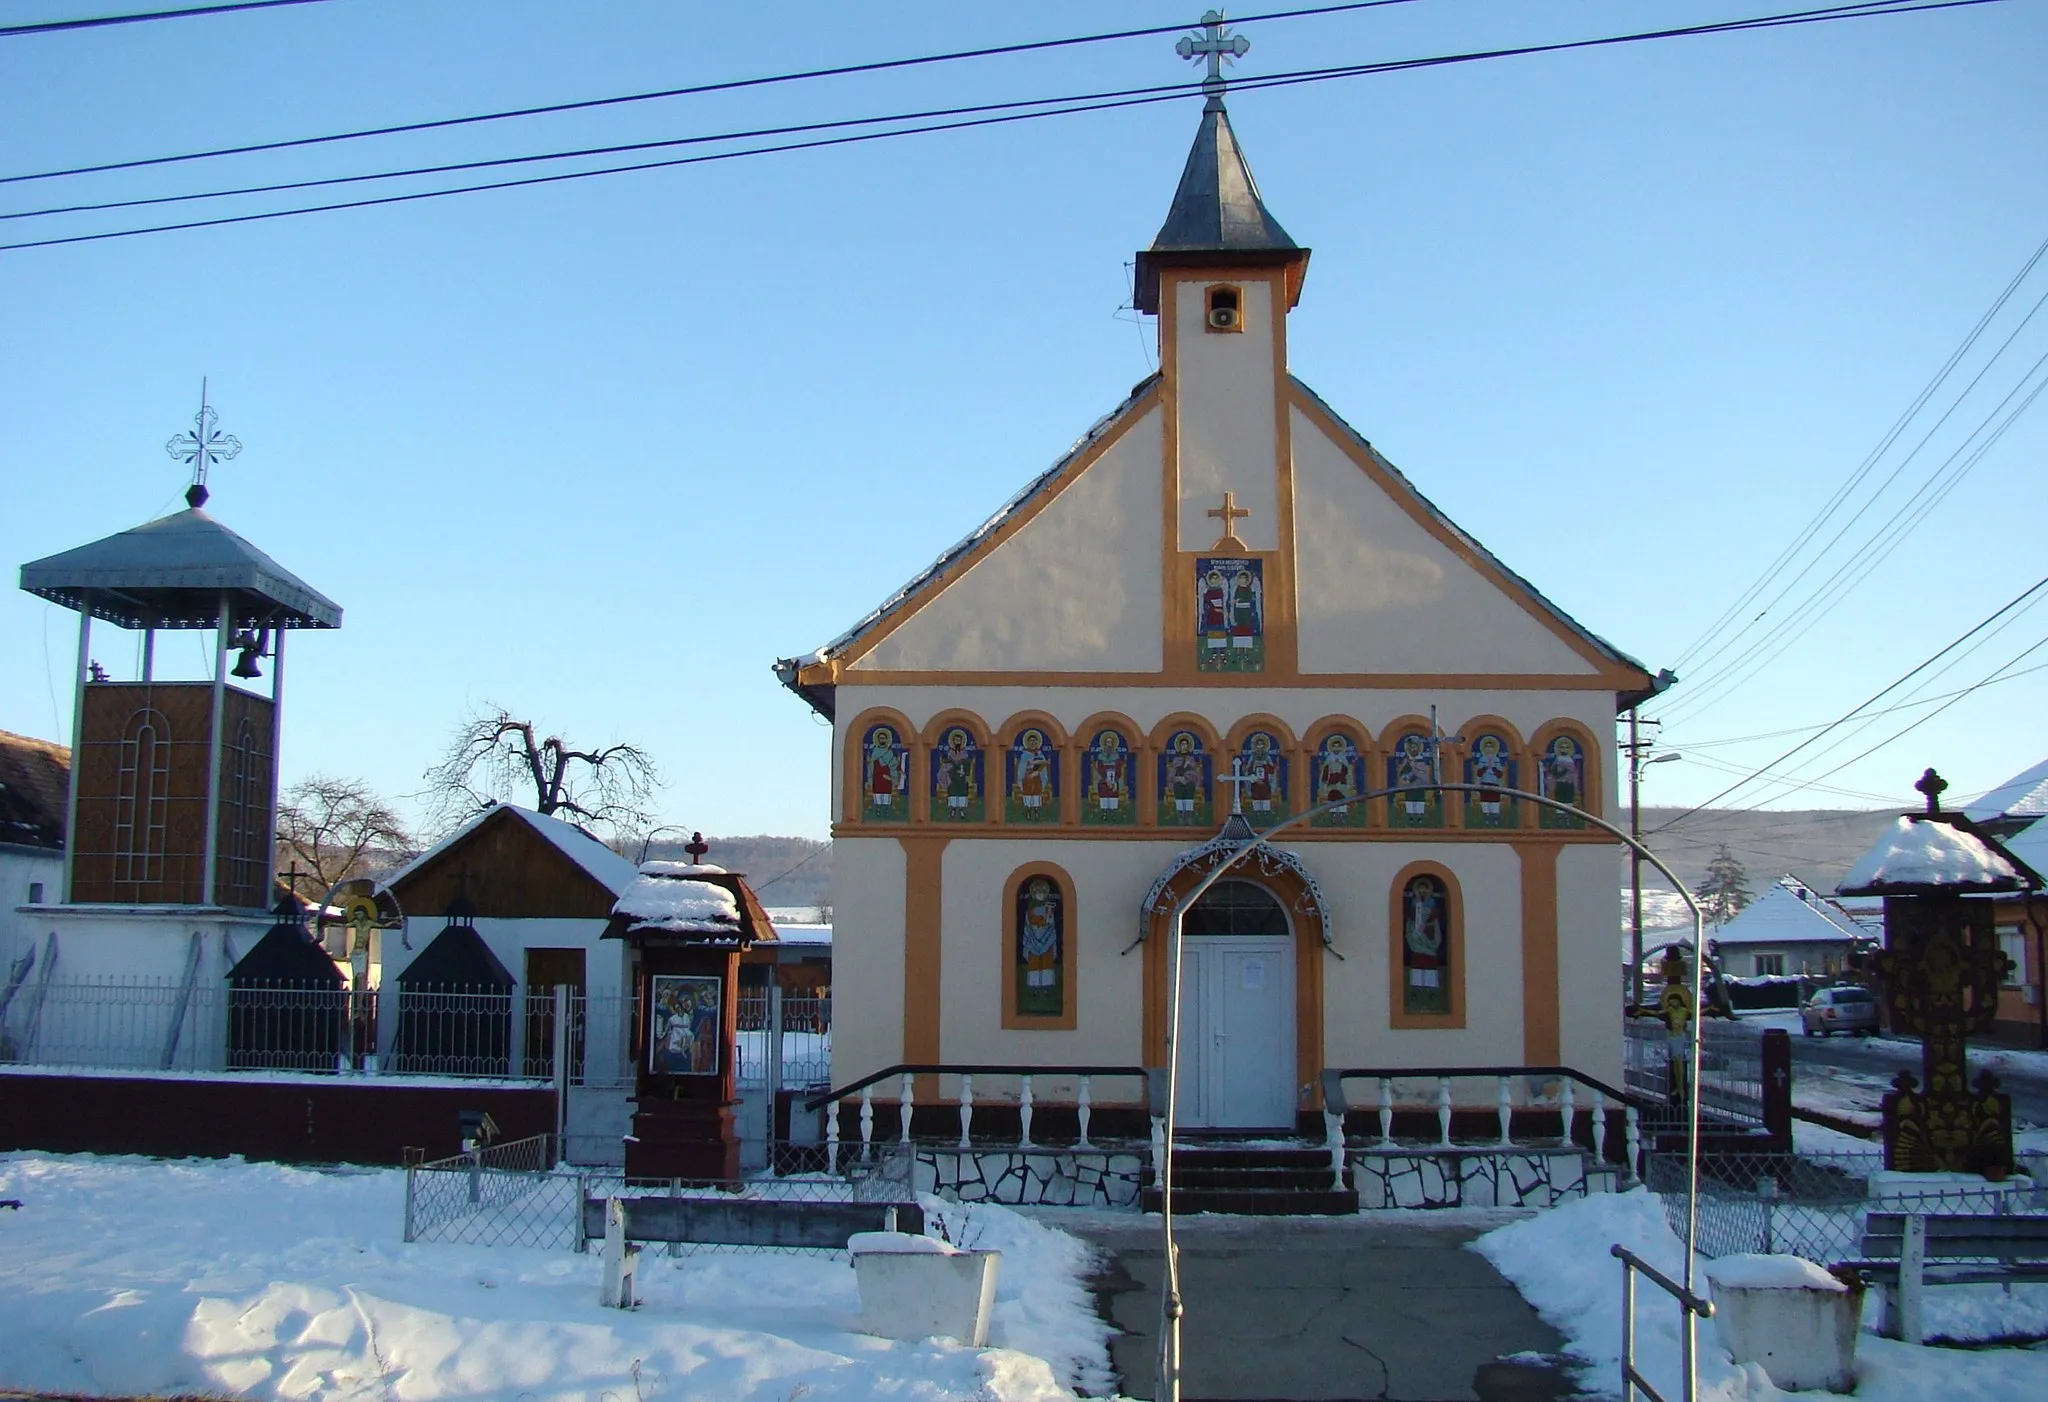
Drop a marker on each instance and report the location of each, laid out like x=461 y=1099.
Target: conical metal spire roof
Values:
x=1217 y=216
x=1217 y=207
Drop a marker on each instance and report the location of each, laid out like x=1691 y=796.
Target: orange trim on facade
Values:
x=1325 y=681
x=1454 y=943
x=1541 y=1044
x=1070 y=963
x=924 y=856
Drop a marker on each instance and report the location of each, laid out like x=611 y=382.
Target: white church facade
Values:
x=1222 y=575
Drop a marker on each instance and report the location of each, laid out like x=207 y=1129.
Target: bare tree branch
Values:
x=334 y=829
x=497 y=756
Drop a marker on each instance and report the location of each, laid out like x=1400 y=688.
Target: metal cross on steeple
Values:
x=202 y=448
x=1213 y=48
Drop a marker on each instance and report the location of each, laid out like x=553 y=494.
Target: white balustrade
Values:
x=1567 y=1110
x=1024 y=1114
x=1386 y=1111
x=832 y=1137
x=1599 y=1128
x=867 y=1124
x=1443 y=1110
x=1506 y=1103
x=1632 y=1140
x=1159 y=1148
x=1333 y=1137
x=966 y=1109
x=906 y=1102
x=1084 y=1109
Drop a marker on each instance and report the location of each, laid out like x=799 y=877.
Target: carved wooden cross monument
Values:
x=1228 y=513
x=1942 y=968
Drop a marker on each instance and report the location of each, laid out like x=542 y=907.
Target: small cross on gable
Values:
x=1215 y=46
x=1228 y=513
x=1237 y=779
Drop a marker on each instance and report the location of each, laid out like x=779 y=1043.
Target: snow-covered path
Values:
x=262 y=1281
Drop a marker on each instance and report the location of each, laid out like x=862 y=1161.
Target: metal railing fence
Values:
x=1811 y=1204
x=1731 y=1073
x=513 y=1195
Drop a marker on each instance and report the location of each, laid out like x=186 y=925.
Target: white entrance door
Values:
x=1237 y=1032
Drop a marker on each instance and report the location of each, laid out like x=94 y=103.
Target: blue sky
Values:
x=603 y=450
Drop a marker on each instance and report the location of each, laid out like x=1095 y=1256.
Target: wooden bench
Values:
x=624 y=1223
x=1904 y=1252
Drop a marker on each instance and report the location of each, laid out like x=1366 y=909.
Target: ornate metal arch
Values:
x=1268 y=861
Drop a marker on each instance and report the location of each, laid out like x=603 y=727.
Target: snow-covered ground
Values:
x=122 y=1275
x=1559 y=1262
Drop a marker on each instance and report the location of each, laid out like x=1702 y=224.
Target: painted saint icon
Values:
x=1339 y=775
x=957 y=793
x=1184 y=774
x=1492 y=766
x=884 y=775
x=1561 y=775
x=684 y=1027
x=1230 y=614
x=1425 y=946
x=1109 y=774
x=1032 y=784
x=1041 y=973
x=1411 y=768
x=1263 y=762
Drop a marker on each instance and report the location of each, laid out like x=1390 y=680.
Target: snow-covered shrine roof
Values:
x=1923 y=854
x=2024 y=795
x=703 y=905
x=1792 y=912
x=1268 y=861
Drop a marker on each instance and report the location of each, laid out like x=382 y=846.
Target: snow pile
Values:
x=131 y=1276
x=1559 y=1262
x=679 y=904
x=1921 y=852
x=662 y=868
x=1754 y=1272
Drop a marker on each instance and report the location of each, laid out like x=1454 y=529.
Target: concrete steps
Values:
x=1252 y=1180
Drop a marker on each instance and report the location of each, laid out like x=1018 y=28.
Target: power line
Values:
x=141 y=17
x=728 y=85
x=1860 y=11
x=1849 y=715
x=1690 y=746
x=1864 y=468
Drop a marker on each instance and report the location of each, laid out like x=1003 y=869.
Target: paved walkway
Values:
x=1321 y=1309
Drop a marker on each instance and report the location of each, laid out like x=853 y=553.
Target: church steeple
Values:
x=1217 y=219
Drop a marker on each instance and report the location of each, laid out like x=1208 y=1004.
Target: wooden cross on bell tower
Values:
x=1228 y=513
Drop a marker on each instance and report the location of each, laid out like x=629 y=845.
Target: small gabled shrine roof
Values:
x=1217 y=214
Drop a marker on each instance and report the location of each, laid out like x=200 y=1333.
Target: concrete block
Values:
x=919 y=1294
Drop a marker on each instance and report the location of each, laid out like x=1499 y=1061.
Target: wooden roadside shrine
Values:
x=686 y=927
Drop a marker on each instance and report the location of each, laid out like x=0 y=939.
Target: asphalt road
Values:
x=1861 y=1068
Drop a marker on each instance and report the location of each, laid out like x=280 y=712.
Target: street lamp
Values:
x=1170 y=1307
x=1636 y=765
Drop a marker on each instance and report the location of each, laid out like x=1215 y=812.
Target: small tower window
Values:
x=1226 y=309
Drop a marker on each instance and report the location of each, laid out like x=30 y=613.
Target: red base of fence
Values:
x=297 y=1121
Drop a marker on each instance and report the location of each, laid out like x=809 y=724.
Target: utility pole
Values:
x=1637 y=748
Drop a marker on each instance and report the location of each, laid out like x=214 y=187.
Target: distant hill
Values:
x=1817 y=845
x=784 y=871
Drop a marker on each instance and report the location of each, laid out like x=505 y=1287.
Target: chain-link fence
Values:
x=514 y=1194
x=1809 y=1204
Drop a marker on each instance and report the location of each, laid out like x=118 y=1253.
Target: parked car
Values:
x=1839 y=1010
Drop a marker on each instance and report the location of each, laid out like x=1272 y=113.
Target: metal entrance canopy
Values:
x=174 y=572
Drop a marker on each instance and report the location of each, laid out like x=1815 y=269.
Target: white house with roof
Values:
x=1790 y=929
x=2011 y=806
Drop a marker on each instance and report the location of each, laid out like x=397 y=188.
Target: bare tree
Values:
x=496 y=756
x=335 y=827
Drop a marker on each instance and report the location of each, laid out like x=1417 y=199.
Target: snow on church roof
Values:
x=1920 y=852
x=787 y=669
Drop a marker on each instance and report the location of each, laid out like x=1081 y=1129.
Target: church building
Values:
x=1222 y=596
